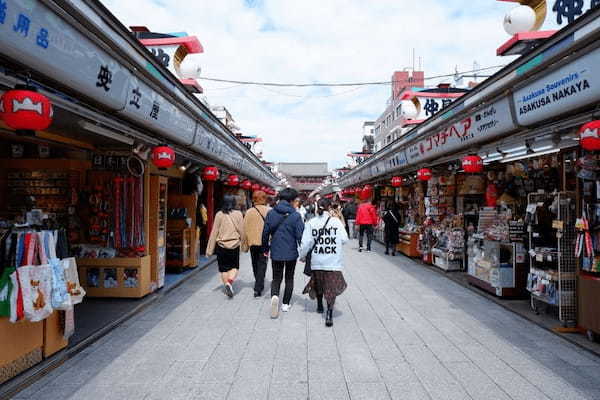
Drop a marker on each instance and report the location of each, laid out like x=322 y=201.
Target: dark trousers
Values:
x=390 y=245
x=259 y=267
x=279 y=267
x=368 y=229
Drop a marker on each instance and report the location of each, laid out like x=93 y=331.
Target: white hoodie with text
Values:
x=328 y=253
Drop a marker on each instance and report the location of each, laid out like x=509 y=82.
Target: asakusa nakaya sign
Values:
x=572 y=86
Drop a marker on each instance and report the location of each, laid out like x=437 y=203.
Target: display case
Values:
x=497 y=267
x=552 y=277
x=409 y=242
x=115 y=277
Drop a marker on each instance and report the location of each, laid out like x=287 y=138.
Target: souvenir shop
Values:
x=502 y=186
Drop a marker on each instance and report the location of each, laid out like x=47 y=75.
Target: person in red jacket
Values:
x=366 y=219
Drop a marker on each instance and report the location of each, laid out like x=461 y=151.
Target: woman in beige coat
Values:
x=225 y=240
x=254 y=222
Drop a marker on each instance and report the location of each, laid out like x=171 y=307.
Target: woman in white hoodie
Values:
x=324 y=236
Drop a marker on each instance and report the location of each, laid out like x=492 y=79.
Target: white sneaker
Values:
x=285 y=307
x=274 y=307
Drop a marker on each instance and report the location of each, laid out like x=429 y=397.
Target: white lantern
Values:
x=190 y=67
x=408 y=109
x=519 y=19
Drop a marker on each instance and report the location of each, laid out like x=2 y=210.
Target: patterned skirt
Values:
x=329 y=283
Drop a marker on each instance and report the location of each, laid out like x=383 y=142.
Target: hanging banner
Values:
x=397 y=160
x=481 y=126
x=572 y=86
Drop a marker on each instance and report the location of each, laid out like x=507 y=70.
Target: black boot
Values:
x=320 y=304
x=329 y=317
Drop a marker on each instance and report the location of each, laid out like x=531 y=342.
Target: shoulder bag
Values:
x=308 y=262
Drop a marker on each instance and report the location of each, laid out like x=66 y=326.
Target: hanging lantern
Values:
x=26 y=110
x=246 y=185
x=366 y=192
x=233 y=180
x=351 y=191
x=210 y=174
x=424 y=174
x=589 y=138
x=264 y=189
x=397 y=181
x=255 y=187
x=472 y=164
x=163 y=157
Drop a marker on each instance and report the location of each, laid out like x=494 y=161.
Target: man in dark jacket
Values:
x=349 y=213
x=281 y=236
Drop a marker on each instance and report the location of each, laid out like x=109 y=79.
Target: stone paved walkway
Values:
x=401 y=332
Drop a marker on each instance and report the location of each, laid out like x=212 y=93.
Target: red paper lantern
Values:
x=351 y=190
x=472 y=164
x=210 y=174
x=366 y=192
x=26 y=110
x=163 y=157
x=246 y=185
x=255 y=187
x=397 y=181
x=265 y=189
x=233 y=180
x=589 y=137
x=424 y=174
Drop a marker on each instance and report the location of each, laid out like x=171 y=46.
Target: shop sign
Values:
x=149 y=108
x=397 y=160
x=485 y=124
x=430 y=106
x=563 y=12
x=33 y=35
x=572 y=86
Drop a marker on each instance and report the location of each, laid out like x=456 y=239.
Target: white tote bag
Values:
x=36 y=286
x=72 y=276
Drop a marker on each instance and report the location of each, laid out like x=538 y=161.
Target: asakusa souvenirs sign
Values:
x=570 y=87
x=483 y=125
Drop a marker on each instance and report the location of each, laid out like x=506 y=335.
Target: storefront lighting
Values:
x=511 y=150
x=536 y=154
x=184 y=167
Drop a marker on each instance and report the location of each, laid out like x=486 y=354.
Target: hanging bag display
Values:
x=72 y=277
x=61 y=300
x=36 y=287
x=7 y=292
x=17 y=312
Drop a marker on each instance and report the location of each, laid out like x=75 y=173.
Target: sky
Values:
x=321 y=41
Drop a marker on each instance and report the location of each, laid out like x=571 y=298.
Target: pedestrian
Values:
x=336 y=212
x=391 y=218
x=310 y=212
x=366 y=219
x=323 y=239
x=349 y=213
x=281 y=236
x=225 y=240
x=254 y=222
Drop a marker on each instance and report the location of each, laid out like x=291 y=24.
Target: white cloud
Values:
x=316 y=40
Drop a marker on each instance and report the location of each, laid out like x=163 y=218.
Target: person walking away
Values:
x=336 y=212
x=324 y=237
x=225 y=239
x=391 y=219
x=310 y=212
x=366 y=219
x=281 y=236
x=254 y=222
x=349 y=213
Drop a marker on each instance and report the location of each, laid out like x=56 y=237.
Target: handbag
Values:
x=7 y=292
x=36 y=286
x=308 y=262
x=60 y=294
x=72 y=276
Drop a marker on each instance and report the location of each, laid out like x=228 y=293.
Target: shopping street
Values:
x=400 y=331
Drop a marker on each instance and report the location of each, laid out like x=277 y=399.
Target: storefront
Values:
x=498 y=186
x=103 y=185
